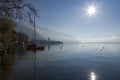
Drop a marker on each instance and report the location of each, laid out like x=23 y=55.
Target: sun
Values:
x=91 y=10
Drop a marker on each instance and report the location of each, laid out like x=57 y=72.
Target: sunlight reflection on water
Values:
x=92 y=76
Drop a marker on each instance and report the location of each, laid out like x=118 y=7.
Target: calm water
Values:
x=67 y=62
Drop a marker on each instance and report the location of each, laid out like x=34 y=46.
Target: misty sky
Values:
x=69 y=16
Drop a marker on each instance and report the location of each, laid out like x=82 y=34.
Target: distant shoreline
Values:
x=101 y=42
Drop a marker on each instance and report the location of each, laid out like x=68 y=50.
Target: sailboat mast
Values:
x=34 y=30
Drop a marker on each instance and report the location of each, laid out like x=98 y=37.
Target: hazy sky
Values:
x=70 y=16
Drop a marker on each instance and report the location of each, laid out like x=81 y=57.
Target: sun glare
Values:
x=91 y=10
x=92 y=76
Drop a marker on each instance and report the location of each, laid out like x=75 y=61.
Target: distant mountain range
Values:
x=44 y=34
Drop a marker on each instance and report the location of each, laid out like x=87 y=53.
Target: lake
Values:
x=94 y=61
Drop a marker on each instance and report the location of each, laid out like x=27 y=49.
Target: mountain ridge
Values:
x=44 y=34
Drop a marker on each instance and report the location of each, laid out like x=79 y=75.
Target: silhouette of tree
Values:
x=17 y=10
x=7 y=34
x=12 y=12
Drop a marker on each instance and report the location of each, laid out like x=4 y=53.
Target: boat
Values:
x=33 y=46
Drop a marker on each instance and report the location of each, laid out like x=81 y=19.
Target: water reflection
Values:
x=61 y=46
x=49 y=46
x=49 y=65
x=92 y=76
x=6 y=64
x=35 y=68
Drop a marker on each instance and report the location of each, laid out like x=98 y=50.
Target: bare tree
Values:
x=11 y=12
x=17 y=10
